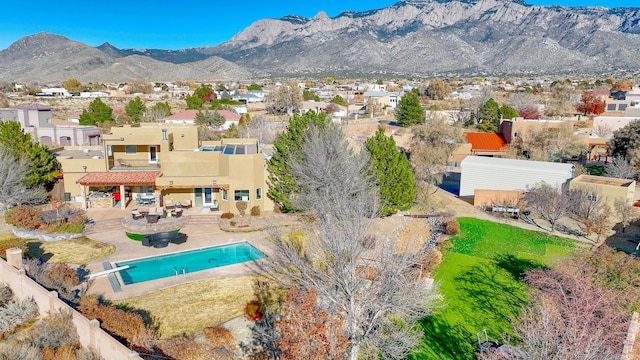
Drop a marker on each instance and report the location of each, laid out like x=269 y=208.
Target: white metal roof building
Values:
x=489 y=173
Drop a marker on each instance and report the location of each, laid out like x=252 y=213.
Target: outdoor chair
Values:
x=169 y=205
x=176 y=213
x=136 y=214
x=186 y=204
x=123 y=163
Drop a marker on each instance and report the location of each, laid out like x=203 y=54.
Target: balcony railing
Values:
x=133 y=164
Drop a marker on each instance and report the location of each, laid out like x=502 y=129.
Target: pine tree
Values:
x=282 y=184
x=135 y=109
x=409 y=111
x=393 y=171
x=489 y=116
x=98 y=113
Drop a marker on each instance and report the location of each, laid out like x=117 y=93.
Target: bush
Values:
x=125 y=325
x=242 y=207
x=255 y=211
x=5 y=294
x=13 y=242
x=59 y=277
x=26 y=217
x=19 y=350
x=253 y=310
x=185 y=348
x=227 y=215
x=218 y=336
x=16 y=313
x=232 y=223
x=54 y=332
x=68 y=227
x=452 y=227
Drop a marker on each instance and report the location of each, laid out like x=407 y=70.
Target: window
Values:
x=515 y=134
x=258 y=193
x=592 y=197
x=225 y=196
x=130 y=149
x=611 y=107
x=241 y=195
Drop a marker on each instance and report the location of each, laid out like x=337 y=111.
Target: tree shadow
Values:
x=516 y=266
x=37 y=252
x=445 y=340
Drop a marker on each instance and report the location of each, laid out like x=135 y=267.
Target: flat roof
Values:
x=514 y=163
x=601 y=180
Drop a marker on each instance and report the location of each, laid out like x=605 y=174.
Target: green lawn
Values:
x=480 y=281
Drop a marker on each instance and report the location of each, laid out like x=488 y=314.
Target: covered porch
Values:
x=110 y=189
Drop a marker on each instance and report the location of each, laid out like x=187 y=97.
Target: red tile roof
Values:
x=119 y=178
x=481 y=141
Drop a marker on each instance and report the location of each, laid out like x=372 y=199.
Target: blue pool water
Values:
x=162 y=266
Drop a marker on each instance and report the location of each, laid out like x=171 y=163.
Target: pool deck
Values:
x=199 y=236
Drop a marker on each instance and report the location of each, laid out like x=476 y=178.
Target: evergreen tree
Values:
x=17 y=144
x=282 y=184
x=393 y=172
x=489 y=116
x=254 y=87
x=201 y=95
x=98 y=113
x=339 y=100
x=135 y=109
x=507 y=112
x=409 y=111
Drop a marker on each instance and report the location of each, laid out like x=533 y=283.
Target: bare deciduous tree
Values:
x=287 y=99
x=624 y=212
x=548 y=202
x=602 y=130
x=374 y=287
x=155 y=114
x=619 y=167
x=257 y=128
x=13 y=174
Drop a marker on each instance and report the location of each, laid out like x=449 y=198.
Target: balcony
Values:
x=123 y=164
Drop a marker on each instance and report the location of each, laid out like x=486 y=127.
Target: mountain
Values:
x=411 y=37
x=431 y=37
x=48 y=58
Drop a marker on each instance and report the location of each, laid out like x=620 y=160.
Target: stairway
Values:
x=103 y=226
x=202 y=219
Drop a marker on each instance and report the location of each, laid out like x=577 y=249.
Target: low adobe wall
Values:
x=90 y=334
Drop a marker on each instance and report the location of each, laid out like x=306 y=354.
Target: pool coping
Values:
x=121 y=284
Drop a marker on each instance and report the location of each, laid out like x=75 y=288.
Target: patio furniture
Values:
x=177 y=213
x=152 y=219
x=169 y=205
x=186 y=204
x=123 y=163
x=136 y=214
x=214 y=206
x=161 y=239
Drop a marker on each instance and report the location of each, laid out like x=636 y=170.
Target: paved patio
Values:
x=199 y=236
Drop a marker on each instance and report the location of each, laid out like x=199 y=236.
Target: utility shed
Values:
x=489 y=173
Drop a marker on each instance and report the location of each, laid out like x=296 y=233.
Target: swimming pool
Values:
x=185 y=262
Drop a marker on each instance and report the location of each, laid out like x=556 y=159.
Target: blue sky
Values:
x=175 y=24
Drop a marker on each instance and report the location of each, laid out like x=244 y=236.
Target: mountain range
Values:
x=411 y=38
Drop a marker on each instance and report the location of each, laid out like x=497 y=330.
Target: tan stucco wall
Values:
x=501 y=197
x=73 y=170
x=609 y=192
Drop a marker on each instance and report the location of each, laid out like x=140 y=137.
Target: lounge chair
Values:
x=123 y=163
x=136 y=214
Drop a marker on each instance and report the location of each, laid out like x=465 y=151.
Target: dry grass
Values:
x=74 y=251
x=189 y=308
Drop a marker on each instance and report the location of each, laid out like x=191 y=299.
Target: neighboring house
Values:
x=189 y=117
x=382 y=98
x=490 y=173
x=486 y=143
x=36 y=120
x=606 y=189
x=93 y=94
x=512 y=128
x=247 y=98
x=56 y=92
x=168 y=161
x=616 y=107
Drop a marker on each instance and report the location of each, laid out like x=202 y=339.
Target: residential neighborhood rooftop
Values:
x=601 y=180
x=486 y=141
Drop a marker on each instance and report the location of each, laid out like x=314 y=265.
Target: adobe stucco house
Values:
x=170 y=163
x=490 y=173
x=189 y=117
x=607 y=188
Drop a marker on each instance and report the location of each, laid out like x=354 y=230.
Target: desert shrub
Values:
x=227 y=215
x=5 y=294
x=242 y=207
x=13 y=242
x=55 y=331
x=253 y=310
x=63 y=352
x=17 y=350
x=218 y=336
x=16 y=313
x=452 y=227
x=185 y=348
x=68 y=227
x=23 y=216
x=59 y=277
x=84 y=354
x=255 y=211
x=232 y=223
x=431 y=261
x=124 y=325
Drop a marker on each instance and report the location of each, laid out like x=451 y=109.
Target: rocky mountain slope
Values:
x=427 y=37
x=47 y=58
x=411 y=37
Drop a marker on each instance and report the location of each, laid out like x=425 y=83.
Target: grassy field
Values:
x=480 y=280
x=189 y=308
x=75 y=251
